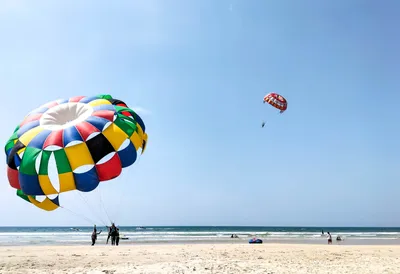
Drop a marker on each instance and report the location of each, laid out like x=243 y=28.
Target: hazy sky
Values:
x=198 y=71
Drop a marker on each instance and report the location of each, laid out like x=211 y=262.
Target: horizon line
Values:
x=275 y=226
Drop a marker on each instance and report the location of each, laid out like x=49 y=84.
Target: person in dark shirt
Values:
x=117 y=237
x=113 y=233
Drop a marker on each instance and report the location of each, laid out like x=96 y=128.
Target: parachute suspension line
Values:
x=79 y=215
x=120 y=198
x=96 y=212
x=102 y=205
x=90 y=208
x=122 y=195
x=264 y=123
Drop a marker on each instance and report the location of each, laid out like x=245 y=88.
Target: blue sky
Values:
x=197 y=72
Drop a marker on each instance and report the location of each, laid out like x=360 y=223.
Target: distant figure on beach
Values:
x=338 y=238
x=94 y=235
x=322 y=232
x=113 y=232
x=329 y=238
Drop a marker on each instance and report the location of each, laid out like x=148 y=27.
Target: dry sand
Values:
x=201 y=258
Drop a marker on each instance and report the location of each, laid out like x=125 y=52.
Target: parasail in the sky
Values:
x=90 y=140
x=276 y=100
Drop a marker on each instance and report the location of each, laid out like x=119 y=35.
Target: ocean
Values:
x=196 y=234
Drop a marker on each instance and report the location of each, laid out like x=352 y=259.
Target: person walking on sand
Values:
x=94 y=235
x=329 y=238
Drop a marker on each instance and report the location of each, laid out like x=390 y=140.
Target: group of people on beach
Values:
x=338 y=238
x=113 y=233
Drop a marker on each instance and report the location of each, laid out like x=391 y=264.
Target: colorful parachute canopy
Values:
x=90 y=139
x=276 y=101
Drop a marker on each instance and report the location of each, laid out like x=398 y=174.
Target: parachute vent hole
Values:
x=38 y=161
x=40 y=198
x=52 y=148
x=53 y=173
x=73 y=143
x=106 y=126
x=92 y=135
x=52 y=196
x=83 y=169
x=124 y=145
x=106 y=158
x=65 y=115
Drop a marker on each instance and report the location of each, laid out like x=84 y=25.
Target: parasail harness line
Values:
x=263 y=122
x=122 y=195
x=79 y=215
x=91 y=209
x=102 y=205
x=97 y=220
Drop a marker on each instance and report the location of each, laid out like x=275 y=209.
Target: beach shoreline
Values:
x=201 y=258
x=102 y=242
x=132 y=235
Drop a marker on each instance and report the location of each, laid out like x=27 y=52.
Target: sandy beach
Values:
x=201 y=258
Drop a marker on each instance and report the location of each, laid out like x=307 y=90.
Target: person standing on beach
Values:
x=117 y=236
x=94 y=235
x=329 y=238
x=113 y=232
x=109 y=234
